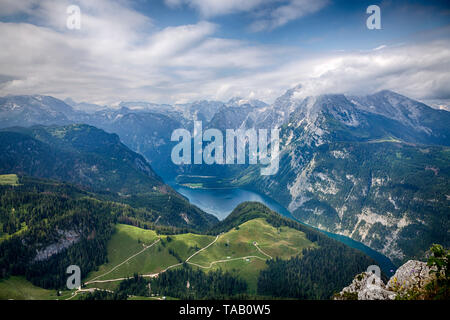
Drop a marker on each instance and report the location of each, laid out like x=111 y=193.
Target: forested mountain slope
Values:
x=91 y=158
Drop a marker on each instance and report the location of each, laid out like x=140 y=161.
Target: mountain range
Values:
x=374 y=167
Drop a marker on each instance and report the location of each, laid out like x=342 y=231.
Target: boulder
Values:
x=413 y=275
x=365 y=286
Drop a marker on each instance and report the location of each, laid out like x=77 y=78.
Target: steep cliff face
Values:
x=386 y=195
x=374 y=168
x=413 y=276
x=392 y=196
x=66 y=239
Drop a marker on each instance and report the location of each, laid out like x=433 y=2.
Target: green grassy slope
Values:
x=128 y=241
x=18 y=288
x=234 y=245
x=233 y=251
x=9 y=179
x=242 y=244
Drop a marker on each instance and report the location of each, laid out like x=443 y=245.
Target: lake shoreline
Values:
x=221 y=202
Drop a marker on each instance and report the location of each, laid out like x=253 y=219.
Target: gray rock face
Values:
x=68 y=238
x=376 y=294
x=412 y=275
x=367 y=286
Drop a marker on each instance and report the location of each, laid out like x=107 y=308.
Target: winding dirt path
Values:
x=152 y=275
x=125 y=261
x=259 y=249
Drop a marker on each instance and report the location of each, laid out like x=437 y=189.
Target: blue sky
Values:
x=337 y=25
x=175 y=51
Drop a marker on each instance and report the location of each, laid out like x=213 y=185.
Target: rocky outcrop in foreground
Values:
x=413 y=276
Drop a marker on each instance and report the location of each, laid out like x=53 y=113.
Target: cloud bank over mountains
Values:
x=122 y=54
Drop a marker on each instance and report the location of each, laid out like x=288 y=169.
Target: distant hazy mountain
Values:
x=32 y=110
x=84 y=106
x=239 y=102
x=200 y=110
x=77 y=153
x=231 y=117
x=425 y=124
x=147 y=133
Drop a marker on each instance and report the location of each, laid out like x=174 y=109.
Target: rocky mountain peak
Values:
x=239 y=101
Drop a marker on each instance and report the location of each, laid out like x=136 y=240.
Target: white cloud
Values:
x=283 y=14
x=210 y=8
x=268 y=14
x=416 y=70
x=117 y=54
x=120 y=55
x=12 y=7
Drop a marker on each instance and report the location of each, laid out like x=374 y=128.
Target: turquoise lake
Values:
x=220 y=202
